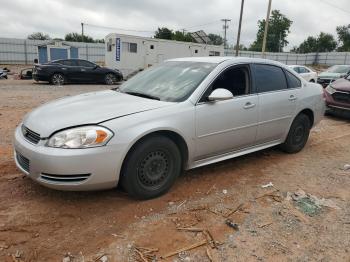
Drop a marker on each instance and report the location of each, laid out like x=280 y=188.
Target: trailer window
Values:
x=129 y=47
x=109 y=45
x=214 y=53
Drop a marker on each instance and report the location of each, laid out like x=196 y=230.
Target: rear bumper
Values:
x=68 y=169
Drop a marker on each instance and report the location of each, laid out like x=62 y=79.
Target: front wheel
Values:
x=298 y=134
x=151 y=167
x=57 y=79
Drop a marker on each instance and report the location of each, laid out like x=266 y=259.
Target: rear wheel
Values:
x=110 y=79
x=298 y=134
x=57 y=79
x=151 y=167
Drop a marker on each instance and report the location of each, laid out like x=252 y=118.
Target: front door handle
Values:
x=249 y=105
x=292 y=98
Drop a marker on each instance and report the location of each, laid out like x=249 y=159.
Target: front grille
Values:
x=324 y=81
x=30 y=135
x=341 y=97
x=64 y=178
x=23 y=162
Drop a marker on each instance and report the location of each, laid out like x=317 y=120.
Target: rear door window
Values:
x=68 y=63
x=269 y=78
x=85 y=63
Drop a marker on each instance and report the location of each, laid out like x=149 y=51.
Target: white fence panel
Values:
x=24 y=51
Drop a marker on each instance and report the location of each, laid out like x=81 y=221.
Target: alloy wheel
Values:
x=58 y=79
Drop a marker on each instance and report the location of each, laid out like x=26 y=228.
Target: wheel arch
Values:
x=174 y=136
x=309 y=113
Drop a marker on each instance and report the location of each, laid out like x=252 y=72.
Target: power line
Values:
x=149 y=31
x=121 y=29
x=337 y=7
x=210 y=23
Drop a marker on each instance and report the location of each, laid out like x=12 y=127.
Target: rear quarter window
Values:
x=269 y=78
x=293 y=81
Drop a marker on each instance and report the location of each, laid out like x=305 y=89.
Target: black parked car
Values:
x=63 y=71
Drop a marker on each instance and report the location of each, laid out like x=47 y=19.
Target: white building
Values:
x=132 y=53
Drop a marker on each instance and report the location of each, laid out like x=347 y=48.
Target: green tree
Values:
x=322 y=43
x=164 y=33
x=38 y=36
x=180 y=36
x=216 y=39
x=241 y=47
x=278 y=31
x=76 y=37
x=344 y=38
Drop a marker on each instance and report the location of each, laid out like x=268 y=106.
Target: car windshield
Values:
x=339 y=69
x=172 y=81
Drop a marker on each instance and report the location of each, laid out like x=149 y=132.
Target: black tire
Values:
x=298 y=134
x=57 y=79
x=151 y=167
x=110 y=79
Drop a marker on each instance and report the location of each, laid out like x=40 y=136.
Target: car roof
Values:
x=296 y=66
x=220 y=59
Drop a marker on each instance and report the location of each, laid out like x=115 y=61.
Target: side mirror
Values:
x=220 y=94
x=96 y=66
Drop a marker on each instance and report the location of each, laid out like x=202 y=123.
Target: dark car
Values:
x=63 y=71
x=337 y=95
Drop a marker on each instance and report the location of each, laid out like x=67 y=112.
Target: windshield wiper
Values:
x=142 y=95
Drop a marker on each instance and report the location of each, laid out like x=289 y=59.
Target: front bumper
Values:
x=331 y=103
x=68 y=169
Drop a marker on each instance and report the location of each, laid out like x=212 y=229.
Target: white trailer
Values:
x=130 y=53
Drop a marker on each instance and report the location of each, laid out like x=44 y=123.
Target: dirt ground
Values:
x=268 y=224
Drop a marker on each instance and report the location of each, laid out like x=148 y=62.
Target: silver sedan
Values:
x=182 y=114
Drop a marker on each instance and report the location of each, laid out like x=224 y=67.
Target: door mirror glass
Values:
x=220 y=94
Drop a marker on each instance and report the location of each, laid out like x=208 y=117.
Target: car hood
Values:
x=89 y=108
x=342 y=85
x=328 y=75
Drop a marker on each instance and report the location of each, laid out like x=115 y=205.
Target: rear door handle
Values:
x=249 y=105
x=292 y=98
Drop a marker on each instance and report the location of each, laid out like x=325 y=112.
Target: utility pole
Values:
x=225 y=27
x=239 y=28
x=266 y=28
x=82 y=32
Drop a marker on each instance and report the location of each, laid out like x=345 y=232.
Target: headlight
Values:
x=81 y=137
x=330 y=89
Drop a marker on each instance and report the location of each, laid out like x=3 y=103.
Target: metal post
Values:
x=87 y=52
x=239 y=27
x=82 y=32
x=266 y=28
x=346 y=56
x=225 y=29
x=25 y=53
